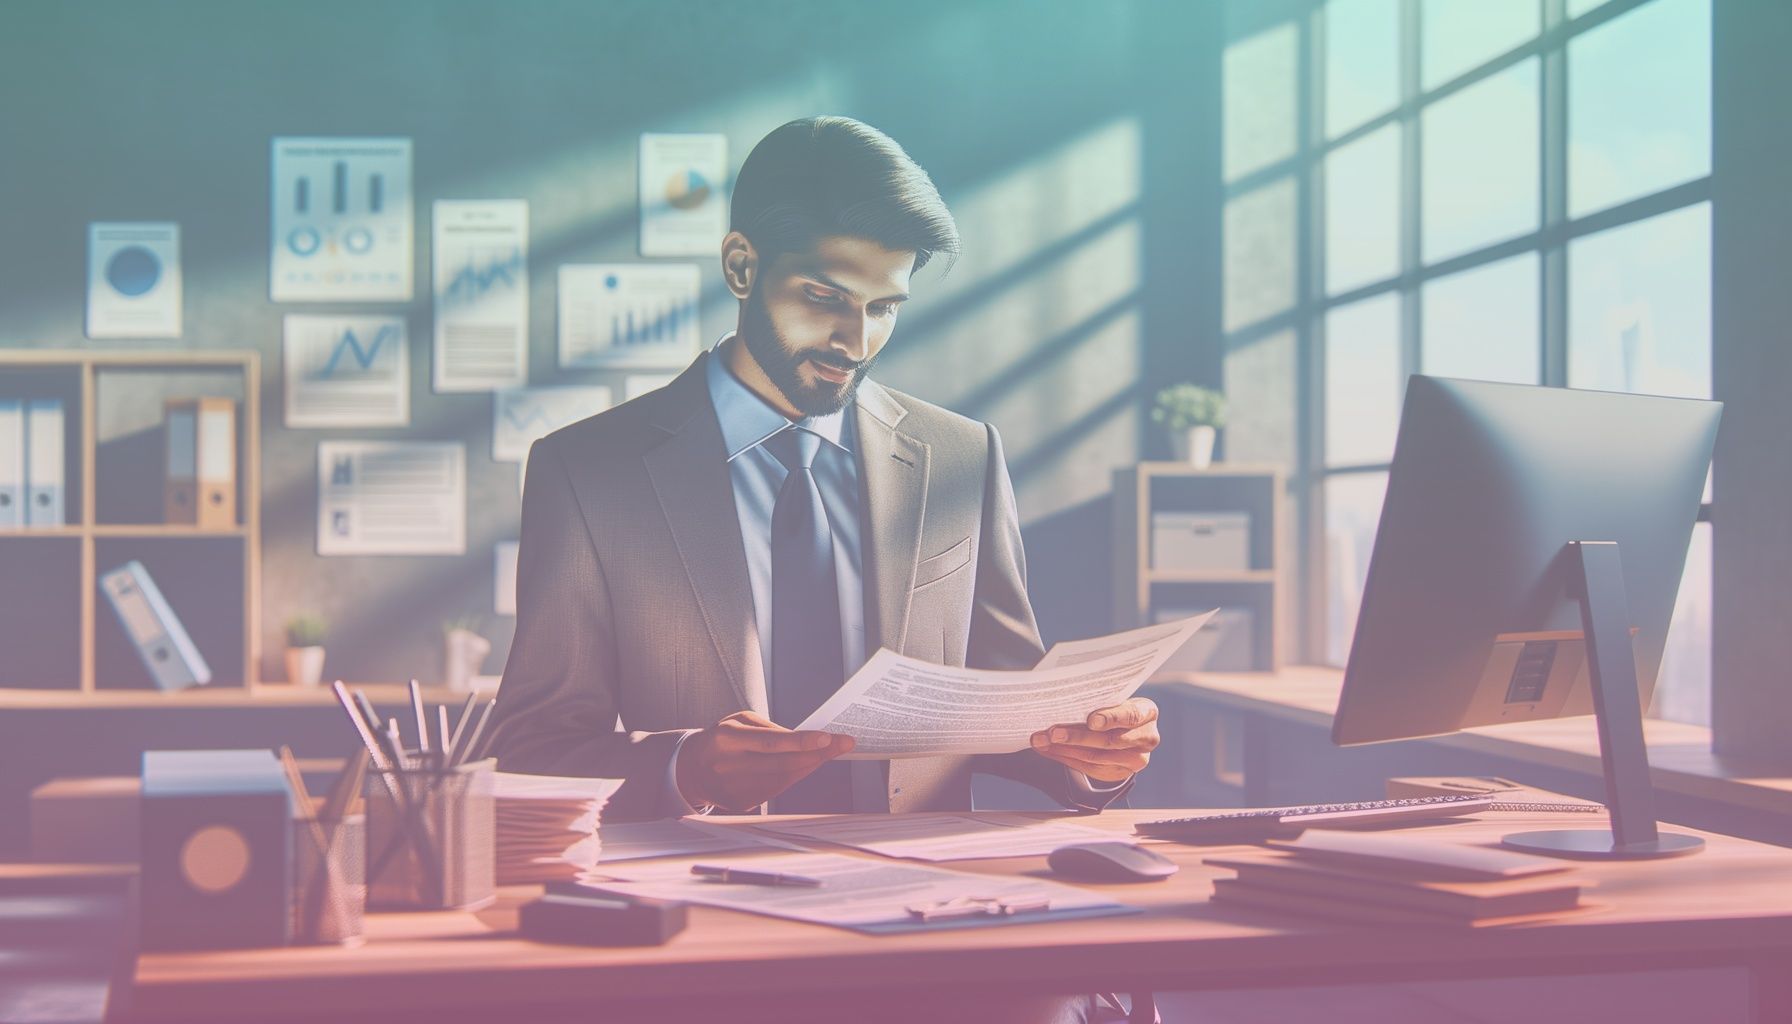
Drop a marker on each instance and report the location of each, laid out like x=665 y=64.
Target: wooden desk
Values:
x=1729 y=905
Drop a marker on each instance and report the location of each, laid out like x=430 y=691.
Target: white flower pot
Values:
x=465 y=656
x=305 y=666
x=1194 y=445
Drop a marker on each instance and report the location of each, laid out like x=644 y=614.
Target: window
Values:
x=1510 y=190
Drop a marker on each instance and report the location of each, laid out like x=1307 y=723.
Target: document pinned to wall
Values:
x=897 y=706
x=347 y=371
x=342 y=220
x=628 y=315
x=133 y=280
x=391 y=498
x=522 y=416
x=504 y=577
x=481 y=286
x=684 y=206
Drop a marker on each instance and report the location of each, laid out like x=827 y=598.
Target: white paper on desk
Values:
x=681 y=837
x=897 y=706
x=942 y=837
x=855 y=892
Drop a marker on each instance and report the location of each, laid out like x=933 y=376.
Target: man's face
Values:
x=816 y=320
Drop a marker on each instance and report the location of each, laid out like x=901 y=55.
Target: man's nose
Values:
x=853 y=332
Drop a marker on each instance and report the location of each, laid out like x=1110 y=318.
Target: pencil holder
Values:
x=329 y=892
x=430 y=842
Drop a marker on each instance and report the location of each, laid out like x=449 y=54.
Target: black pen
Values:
x=718 y=873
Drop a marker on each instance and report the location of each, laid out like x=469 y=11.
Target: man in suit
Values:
x=708 y=563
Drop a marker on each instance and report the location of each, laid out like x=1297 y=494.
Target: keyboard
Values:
x=1287 y=822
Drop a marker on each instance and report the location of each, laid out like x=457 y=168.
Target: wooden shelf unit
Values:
x=1140 y=590
x=82 y=437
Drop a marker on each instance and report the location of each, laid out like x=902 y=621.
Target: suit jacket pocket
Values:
x=947 y=562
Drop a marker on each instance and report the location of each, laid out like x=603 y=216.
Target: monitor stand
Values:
x=1611 y=666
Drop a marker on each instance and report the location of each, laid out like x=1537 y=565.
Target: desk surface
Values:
x=1730 y=904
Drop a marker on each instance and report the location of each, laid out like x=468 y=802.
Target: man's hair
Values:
x=820 y=176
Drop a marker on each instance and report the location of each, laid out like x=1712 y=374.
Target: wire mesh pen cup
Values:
x=329 y=892
x=433 y=847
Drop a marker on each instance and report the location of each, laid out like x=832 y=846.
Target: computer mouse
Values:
x=1111 y=862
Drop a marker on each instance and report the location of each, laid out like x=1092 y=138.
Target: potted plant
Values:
x=464 y=652
x=305 y=634
x=1193 y=415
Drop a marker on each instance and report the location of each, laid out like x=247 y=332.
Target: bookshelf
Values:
x=113 y=520
x=1143 y=589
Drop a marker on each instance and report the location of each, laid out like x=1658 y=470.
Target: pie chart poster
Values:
x=133 y=280
x=684 y=208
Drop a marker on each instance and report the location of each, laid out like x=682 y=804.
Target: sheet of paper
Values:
x=628 y=315
x=522 y=416
x=481 y=287
x=391 y=498
x=943 y=837
x=679 y=837
x=342 y=220
x=897 y=706
x=346 y=371
x=133 y=280
x=684 y=208
x=856 y=892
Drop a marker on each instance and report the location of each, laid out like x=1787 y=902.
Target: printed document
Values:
x=938 y=837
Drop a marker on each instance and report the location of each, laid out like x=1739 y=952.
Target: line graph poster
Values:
x=133 y=280
x=681 y=179
x=525 y=415
x=481 y=285
x=347 y=371
x=342 y=220
x=639 y=316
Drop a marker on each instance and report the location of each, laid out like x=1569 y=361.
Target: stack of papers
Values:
x=547 y=825
x=939 y=837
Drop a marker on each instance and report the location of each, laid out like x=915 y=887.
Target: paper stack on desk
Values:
x=547 y=825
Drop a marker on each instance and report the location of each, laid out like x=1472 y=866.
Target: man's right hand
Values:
x=746 y=759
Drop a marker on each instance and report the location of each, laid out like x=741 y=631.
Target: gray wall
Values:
x=1073 y=140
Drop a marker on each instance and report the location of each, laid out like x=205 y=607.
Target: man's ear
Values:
x=740 y=264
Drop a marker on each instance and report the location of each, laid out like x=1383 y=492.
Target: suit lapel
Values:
x=893 y=469
x=690 y=479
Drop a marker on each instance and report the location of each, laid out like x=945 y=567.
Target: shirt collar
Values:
x=748 y=421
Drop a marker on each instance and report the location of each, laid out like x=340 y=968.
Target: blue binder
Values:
x=161 y=641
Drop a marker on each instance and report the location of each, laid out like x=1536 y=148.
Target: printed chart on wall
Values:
x=391 y=498
x=481 y=279
x=347 y=371
x=628 y=315
x=342 y=220
x=133 y=281
x=525 y=415
x=683 y=209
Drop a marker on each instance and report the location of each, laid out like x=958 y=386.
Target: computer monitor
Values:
x=1519 y=521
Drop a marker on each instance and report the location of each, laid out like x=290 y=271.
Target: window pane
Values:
x=1576 y=8
x=1461 y=35
x=1258 y=101
x=1259 y=254
x=1363 y=381
x=1639 y=104
x=1480 y=164
x=1352 y=512
x=1362 y=211
x=1362 y=62
x=1683 y=689
x=1639 y=306
x=1482 y=323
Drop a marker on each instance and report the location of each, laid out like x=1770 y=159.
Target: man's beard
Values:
x=782 y=363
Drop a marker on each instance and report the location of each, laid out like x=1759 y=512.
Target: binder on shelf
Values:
x=201 y=462
x=12 y=463
x=161 y=641
x=44 y=487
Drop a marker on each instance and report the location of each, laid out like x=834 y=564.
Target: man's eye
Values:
x=883 y=309
x=825 y=298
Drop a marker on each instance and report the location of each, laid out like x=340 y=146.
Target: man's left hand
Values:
x=1111 y=746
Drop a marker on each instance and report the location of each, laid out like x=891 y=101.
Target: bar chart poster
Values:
x=342 y=224
x=481 y=285
x=525 y=415
x=347 y=371
x=683 y=209
x=133 y=280
x=628 y=315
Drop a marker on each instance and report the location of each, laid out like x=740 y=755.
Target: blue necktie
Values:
x=807 y=662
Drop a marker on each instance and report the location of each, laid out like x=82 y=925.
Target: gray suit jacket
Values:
x=633 y=601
